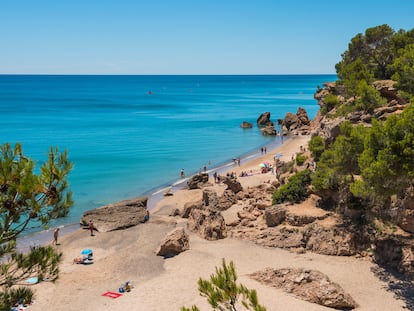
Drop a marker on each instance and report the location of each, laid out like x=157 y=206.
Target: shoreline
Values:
x=155 y=195
x=170 y=283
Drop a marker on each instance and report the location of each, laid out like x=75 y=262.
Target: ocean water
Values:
x=131 y=135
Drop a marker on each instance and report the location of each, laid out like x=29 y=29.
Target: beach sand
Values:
x=168 y=284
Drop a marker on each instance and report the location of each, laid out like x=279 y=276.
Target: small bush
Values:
x=295 y=190
x=331 y=101
x=300 y=159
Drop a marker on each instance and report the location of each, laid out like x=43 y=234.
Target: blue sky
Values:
x=186 y=37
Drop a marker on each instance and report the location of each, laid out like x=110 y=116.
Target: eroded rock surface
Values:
x=120 y=215
x=308 y=285
x=175 y=242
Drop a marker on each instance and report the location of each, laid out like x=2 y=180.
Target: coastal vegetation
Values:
x=295 y=190
x=371 y=162
x=379 y=54
x=363 y=140
x=361 y=156
x=223 y=292
x=29 y=195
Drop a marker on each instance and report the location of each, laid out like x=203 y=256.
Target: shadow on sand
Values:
x=401 y=287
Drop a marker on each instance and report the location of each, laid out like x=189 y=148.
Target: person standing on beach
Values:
x=91 y=227
x=55 y=236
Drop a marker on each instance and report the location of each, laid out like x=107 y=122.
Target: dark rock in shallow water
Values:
x=120 y=215
x=264 y=119
x=269 y=130
x=246 y=125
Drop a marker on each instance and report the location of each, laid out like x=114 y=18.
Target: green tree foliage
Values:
x=27 y=197
x=404 y=69
x=383 y=157
x=351 y=74
x=368 y=98
x=300 y=159
x=223 y=292
x=339 y=163
x=316 y=146
x=374 y=50
x=295 y=190
x=330 y=102
x=387 y=162
x=380 y=53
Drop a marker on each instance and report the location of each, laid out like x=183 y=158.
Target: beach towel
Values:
x=111 y=295
x=33 y=280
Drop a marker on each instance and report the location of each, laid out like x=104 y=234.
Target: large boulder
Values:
x=308 y=285
x=298 y=123
x=198 y=181
x=175 y=242
x=227 y=200
x=329 y=129
x=120 y=215
x=210 y=225
x=188 y=207
x=264 y=119
x=275 y=215
x=210 y=199
x=232 y=184
x=268 y=130
x=290 y=122
x=302 y=116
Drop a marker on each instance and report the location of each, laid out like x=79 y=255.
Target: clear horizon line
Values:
x=166 y=74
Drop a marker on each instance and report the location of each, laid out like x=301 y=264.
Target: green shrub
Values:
x=295 y=190
x=223 y=292
x=316 y=147
x=331 y=101
x=300 y=159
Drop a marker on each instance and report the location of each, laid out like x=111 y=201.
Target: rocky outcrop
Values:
x=396 y=252
x=227 y=199
x=232 y=184
x=308 y=285
x=198 y=181
x=175 y=242
x=210 y=199
x=246 y=125
x=264 y=120
x=298 y=124
x=405 y=217
x=275 y=215
x=204 y=217
x=299 y=228
x=268 y=130
x=334 y=241
x=210 y=225
x=387 y=90
x=329 y=129
x=120 y=215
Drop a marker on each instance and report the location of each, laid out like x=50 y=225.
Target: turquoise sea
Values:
x=131 y=135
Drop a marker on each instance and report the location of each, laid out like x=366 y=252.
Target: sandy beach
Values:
x=168 y=284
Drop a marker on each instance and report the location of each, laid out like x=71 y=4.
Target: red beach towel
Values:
x=111 y=295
